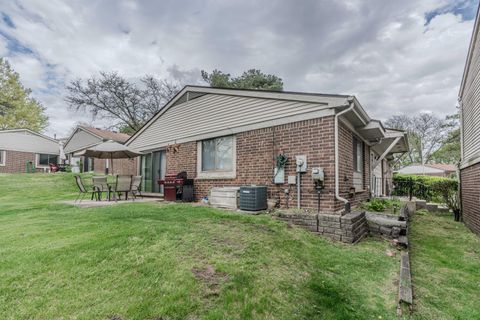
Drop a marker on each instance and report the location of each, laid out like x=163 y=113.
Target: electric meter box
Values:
x=318 y=174
x=301 y=163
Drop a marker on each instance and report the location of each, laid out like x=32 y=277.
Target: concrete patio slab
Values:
x=94 y=204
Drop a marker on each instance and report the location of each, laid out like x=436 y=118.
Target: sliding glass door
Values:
x=152 y=168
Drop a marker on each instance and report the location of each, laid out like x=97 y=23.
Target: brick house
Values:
x=84 y=137
x=22 y=148
x=469 y=103
x=231 y=137
x=430 y=169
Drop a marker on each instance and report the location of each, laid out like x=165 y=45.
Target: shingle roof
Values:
x=443 y=166
x=108 y=135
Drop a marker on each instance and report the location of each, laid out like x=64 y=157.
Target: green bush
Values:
x=424 y=187
x=422 y=212
x=380 y=205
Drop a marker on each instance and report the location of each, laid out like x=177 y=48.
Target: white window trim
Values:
x=4 y=158
x=359 y=175
x=217 y=174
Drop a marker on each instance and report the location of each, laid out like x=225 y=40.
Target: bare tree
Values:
x=426 y=134
x=158 y=92
x=431 y=132
x=110 y=95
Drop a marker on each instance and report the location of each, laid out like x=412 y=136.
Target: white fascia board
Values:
x=361 y=111
x=352 y=128
x=82 y=148
x=373 y=126
x=280 y=95
x=31 y=132
x=471 y=47
x=30 y=151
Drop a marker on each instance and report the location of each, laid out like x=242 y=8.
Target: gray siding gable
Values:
x=27 y=141
x=81 y=139
x=212 y=114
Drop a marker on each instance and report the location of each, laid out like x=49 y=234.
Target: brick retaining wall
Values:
x=348 y=228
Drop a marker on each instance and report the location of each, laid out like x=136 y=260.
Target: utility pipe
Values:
x=299 y=187
x=337 y=192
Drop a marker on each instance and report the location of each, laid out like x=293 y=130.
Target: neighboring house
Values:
x=435 y=169
x=469 y=103
x=231 y=137
x=20 y=148
x=84 y=137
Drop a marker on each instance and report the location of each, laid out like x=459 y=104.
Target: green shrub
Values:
x=381 y=205
x=422 y=212
x=424 y=187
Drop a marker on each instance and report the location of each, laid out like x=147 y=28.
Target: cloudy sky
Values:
x=396 y=56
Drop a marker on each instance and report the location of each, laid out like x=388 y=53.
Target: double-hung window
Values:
x=2 y=157
x=217 y=157
x=358 y=164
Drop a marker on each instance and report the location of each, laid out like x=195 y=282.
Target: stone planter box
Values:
x=226 y=197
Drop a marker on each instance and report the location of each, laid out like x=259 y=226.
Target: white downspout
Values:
x=337 y=192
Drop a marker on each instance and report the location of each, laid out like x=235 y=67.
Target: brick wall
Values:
x=183 y=158
x=120 y=166
x=256 y=153
x=345 y=139
x=470 y=189
x=16 y=161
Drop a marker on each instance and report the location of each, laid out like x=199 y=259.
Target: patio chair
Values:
x=100 y=183
x=82 y=191
x=136 y=186
x=123 y=184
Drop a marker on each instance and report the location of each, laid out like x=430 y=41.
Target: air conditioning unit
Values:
x=253 y=198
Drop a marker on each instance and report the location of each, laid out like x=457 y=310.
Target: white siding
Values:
x=471 y=104
x=81 y=139
x=214 y=113
x=27 y=142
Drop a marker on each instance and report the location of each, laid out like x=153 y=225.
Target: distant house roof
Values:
x=108 y=135
x=25 y=140
x=443 y=166
x=85 y=137
x=438 y=168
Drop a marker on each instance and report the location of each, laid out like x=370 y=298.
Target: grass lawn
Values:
x=164 y=261
x=445 y=260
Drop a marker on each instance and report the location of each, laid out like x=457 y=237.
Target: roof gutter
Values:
x=337 y=169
